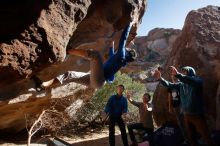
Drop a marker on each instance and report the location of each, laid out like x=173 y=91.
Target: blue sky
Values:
x=169 y=13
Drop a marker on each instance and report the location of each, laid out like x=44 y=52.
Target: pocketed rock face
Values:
x=218 y=109
x=14 y=112
x=39 y=38
x=197 y=46
x=35 y=34
x=34 y=39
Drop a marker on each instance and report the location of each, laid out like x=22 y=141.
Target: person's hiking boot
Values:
x=38 y=83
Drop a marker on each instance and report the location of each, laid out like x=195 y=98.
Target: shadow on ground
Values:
x=99 y=142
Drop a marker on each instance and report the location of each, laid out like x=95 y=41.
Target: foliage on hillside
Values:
x=92 y=110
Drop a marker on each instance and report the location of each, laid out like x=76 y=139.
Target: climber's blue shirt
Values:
x=118 y=59
x=116 y=105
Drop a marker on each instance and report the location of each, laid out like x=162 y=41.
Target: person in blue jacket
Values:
x=190 y=87
x=105 y=72
x=116 y=106
x=99 y=71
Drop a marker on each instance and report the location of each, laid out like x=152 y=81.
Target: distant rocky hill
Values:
x=153 y=50
x=157 y=45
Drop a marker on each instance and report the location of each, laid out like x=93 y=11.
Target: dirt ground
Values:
x=95 y=139
x=88 y=138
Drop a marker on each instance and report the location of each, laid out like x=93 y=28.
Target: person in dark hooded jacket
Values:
x=191 y=92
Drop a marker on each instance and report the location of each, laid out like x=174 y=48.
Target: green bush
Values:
x=92 y=110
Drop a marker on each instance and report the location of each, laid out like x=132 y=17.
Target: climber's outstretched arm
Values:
x=123 y=40
x=111 y=51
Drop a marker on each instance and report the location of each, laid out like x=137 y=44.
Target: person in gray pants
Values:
x=99 y=71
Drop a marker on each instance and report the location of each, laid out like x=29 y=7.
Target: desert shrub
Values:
x=57 y=119
x=92 y=110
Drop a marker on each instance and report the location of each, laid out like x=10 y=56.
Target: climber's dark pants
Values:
x=180 y=121
x=121 y=124
x=96 y=77
x=201 y=127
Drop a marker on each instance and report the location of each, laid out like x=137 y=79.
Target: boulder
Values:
x=196 y=46
x=153 y=51
x=218 y=109
x=34 y=39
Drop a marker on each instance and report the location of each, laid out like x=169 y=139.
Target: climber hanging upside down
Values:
x=99 y=71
